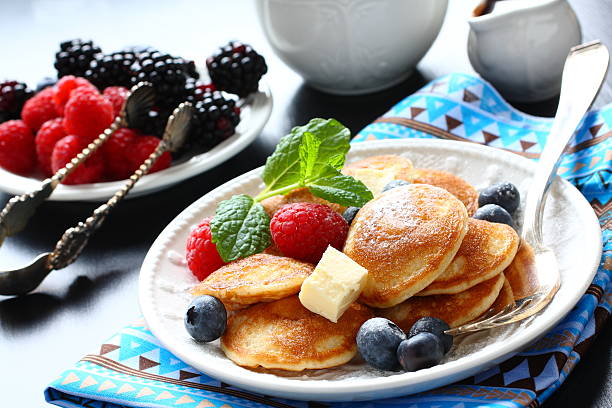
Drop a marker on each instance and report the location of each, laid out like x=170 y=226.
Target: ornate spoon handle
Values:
x=74 y=240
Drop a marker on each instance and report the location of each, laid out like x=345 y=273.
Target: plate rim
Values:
x=330 y=390
x=12 y=183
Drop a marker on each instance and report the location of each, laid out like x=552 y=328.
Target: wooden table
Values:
x=77 y=308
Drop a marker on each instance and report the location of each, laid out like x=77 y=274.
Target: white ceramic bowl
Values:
x=570 y=229
x=351 y=47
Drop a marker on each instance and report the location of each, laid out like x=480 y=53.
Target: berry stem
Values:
x=283 y=190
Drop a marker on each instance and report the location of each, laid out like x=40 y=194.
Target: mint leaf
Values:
x=334 y=137
x=283 y=166
x=340 y=189
x=308 y=151
x=240 y=228
x=336 y=161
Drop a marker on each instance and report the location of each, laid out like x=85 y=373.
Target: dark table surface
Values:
x=77 y=308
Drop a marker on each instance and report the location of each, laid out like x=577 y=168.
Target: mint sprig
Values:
x=309 y=156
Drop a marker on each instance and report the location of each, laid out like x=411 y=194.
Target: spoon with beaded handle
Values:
x=73 y=241
x=18 y=210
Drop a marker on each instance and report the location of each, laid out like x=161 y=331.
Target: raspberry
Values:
x=116 y=151
x=126 y=150
x=87 y=114
x=143 y=147
x=304 y=230
x=39 y=109
x=50 y=132
x=68 y=147
x=16 y=147
x=116 y=96
x=64 y=87
x=202 y=256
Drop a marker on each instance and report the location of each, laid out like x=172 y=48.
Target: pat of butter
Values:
x=375 y=180
x=335 y=283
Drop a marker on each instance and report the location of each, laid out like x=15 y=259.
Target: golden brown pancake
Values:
x=453 y=309
x=299 y=195
x=486 y=250
x=505 y=298
x=285 y=335
x=405 y=238
x=388 y=162
x=522 y=273
x=258 y=278
x=273 y=250
x=455 y=185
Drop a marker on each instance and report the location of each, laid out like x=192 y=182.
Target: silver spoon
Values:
x=18 y=210
x=584 y=72
x=23 y=280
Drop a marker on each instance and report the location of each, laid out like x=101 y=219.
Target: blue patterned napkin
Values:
x=132 y=369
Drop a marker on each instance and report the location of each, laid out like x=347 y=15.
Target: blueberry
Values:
x=504 y=194
x=394 y=183
x=494 y=213
x=44 y=83
x=206 y=318
x=350 y=213
x=420 y=351
x=377 y=341
x=435 y=326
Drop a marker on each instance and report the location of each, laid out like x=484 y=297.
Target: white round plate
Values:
x=571 y=229
x=254 y=116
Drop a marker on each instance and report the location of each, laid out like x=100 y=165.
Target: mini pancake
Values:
x=257 y=278
x=299 y=195
x=405 y=238
x=455 y=185
x=377 y=171
x=505 y=298
x=486 y=250
x=455 y=310
x=522 y=272
x=285 y=335
x=388 y=162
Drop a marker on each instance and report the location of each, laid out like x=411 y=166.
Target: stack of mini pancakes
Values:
x=424 y=256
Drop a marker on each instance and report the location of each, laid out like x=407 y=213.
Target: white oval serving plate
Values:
x=254 y=116
x=571 y=229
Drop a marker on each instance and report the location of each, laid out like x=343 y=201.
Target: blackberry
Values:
x=215 y=119
x=74 y=57
x=189 y=67
x=236 y=68
x=154 y=123
x=166 y=73
x=111 y=69
x=197 y=90
x=13 y=95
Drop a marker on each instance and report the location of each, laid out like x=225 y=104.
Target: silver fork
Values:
x=23 y=280
x=584 y=72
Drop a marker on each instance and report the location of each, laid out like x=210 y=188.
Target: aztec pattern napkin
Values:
x=132 y=369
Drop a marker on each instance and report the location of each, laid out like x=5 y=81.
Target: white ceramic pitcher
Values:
x=521 y=46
